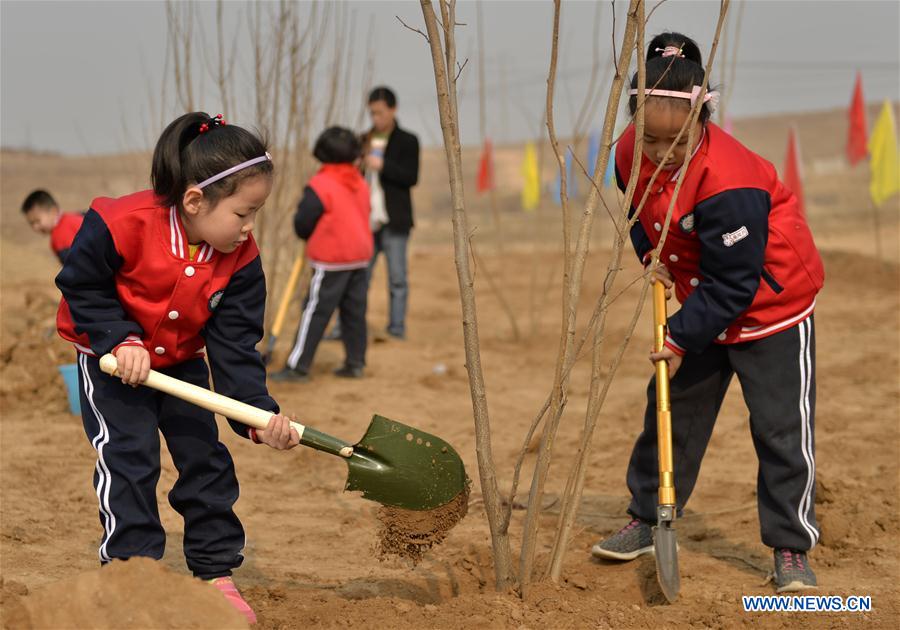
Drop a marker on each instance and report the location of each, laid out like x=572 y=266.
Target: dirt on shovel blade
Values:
x=411 y=533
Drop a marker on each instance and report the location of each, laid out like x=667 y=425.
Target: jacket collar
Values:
x=179 y=242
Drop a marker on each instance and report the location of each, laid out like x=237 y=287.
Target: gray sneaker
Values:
x=633 y=540
x=792 y=571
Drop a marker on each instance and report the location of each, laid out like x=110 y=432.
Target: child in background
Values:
x=154 y=277
x=333 y=216
x=43 y=215
x=744 y=266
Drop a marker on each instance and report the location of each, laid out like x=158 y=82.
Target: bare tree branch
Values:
x=414 y=30
x=443 y=62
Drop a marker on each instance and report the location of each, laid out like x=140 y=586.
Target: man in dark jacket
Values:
x=392 y=169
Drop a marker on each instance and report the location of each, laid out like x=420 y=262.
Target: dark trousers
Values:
x=777 y=376
x=123 y=424
x=329 y=290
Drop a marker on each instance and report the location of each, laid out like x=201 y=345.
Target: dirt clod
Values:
x=411 y=533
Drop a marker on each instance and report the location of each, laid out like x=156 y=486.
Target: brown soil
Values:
x=411 y=534
x=137 y=594
x=312 y=553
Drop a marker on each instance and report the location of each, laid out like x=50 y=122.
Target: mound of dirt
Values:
x=138 y=594
x=411 y=533
x=31 y=352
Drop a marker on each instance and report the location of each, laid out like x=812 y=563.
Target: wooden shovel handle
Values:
x=296 y=272
x=211 y=401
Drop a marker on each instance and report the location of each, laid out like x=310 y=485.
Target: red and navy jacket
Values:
x=739 y=250
x=333 y=216
x=129 y=280
x=63 y=233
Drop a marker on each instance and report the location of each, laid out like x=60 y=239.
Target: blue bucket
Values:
x=70 y=376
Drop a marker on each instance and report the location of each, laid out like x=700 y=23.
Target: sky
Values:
x=86 y=77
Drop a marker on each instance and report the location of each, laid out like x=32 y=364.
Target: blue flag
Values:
x=593 y=151
x=609 y=177
x=572 y=185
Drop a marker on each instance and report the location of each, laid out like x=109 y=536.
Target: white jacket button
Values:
x=159 y=350
x=673 y=257
x=173 y=314
x=722 y=337
x=695 y=282
x=657 y=227
x=189 y=271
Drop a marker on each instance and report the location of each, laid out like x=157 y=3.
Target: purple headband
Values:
x=235 y=169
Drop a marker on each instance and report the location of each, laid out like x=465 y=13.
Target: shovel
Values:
x=664 y=545
x=393 y=464
x=296 y=272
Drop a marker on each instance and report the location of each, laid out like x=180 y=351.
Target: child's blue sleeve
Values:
x=733 y=228
x=309 y=211
x=87 y=282
x=231 y=336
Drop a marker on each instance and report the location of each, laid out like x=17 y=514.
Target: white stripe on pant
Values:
x=314 y=287
x=806 y=447
x=104 y=478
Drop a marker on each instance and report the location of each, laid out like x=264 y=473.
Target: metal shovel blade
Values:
x=665 y=550
x=395 y=464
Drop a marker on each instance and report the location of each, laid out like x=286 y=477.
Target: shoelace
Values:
x=792 y=560
x=634 y=523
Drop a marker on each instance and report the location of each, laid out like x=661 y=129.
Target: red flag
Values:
x=791 y=174
x=486 y=169
x=856 y=136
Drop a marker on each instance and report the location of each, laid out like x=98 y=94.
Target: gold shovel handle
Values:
x=663 y=403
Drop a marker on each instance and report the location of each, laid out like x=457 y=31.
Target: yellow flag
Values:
x=531 y=191
x=884 y=161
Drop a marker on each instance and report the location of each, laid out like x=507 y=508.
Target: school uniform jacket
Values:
x=63 y=233
x=739 y=250
x=129 y=280
x=334 y=218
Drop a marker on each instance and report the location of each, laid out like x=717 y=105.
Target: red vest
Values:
x=720 y=164
x=342 y=238
x=170 y=296
x=64 y=231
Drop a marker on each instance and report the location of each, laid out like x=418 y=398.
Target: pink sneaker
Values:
x=229 y=590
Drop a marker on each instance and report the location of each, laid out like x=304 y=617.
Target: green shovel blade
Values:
x=395 y=464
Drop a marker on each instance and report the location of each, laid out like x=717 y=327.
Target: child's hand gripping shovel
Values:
x=393 y=464
x=296 y=273
x=664 y=546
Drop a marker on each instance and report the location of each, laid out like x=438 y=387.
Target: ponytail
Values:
x=675 y=63
x=195 y=147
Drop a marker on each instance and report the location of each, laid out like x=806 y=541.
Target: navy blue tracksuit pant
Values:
x=777 y=376
x=123 y=424
x=346 y=290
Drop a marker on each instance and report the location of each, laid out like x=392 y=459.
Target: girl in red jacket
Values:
x=333 y=217
x=154 y=277
x=743 y=264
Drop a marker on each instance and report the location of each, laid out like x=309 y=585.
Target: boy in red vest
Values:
x=43 y=215
x=333 y=217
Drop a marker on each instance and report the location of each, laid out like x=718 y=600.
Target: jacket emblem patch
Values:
x=214 y=300
x=730 y=238
x=686 y=223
